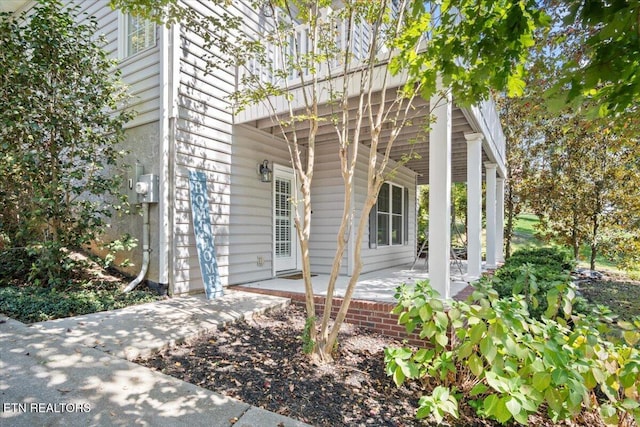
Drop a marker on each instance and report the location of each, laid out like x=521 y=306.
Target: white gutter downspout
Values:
x=168 y=96
x=145 y=249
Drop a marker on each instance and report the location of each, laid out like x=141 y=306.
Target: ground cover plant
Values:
x=89 y=288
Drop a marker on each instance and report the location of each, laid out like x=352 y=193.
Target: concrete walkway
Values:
x=76 y=371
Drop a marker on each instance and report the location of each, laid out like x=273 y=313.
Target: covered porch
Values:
x=460 y=144
x=439 y=141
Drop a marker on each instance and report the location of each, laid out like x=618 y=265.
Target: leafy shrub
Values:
x=15 y=265
x=551 y=260
x=540 y=275
x=62 y=120
x=490 y=355
x=550 y=256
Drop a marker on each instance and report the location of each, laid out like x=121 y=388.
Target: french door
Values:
x=285 y=237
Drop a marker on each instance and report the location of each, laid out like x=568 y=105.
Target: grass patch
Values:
x=524 y=233
x=524 y=237
x=621 y=297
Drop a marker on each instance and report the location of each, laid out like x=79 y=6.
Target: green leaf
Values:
x=515 y=85
x=477 y=331
x=398 y=376
x=490 y=404
x=631 y=337
x=476 y=365
x=502 y=413
x=589 y=380
x=553 y=399
x=442 y=339
x=488 y=349
x=423 y=412
x=541 y=381
x=465 y=350
x=513 y=406
x=425 y=312
x=498 y=383
x=478 y=389
x=428 y=330
x=442 y=320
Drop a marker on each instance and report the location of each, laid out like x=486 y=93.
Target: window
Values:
x=387 y=224
x=139 y=34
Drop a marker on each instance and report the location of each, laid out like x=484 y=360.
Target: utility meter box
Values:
x=148 y=188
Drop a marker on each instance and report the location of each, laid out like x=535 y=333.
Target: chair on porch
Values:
x=424 y=250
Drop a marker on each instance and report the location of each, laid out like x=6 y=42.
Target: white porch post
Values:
x=491 y=214
x=500 y=220
x=474 y=206
x=440 y=195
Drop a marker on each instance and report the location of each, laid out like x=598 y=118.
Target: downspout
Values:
x=169 y=66
x=145 y=250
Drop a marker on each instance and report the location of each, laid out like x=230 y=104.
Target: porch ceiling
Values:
x=413 y=137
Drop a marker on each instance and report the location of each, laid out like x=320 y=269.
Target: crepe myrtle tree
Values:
x=60 y=125
x=463 y=48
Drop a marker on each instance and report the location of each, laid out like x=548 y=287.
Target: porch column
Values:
x=500 y=220
x=474 y=206
x=440 y=195
x=490 y=169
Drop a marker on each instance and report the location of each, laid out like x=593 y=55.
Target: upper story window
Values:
x=138 y=33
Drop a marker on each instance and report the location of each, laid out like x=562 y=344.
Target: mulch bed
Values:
x=261 y=363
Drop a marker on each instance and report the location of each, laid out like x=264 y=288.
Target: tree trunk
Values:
x=508 y=231
x=575 y=240
x=594 y=244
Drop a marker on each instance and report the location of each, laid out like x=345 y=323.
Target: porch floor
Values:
x=377 y=285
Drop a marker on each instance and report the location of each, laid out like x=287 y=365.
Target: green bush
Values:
x=541 y=275
x=490 y=355
x=551 y=259
x=550 y=256
x=62 y=119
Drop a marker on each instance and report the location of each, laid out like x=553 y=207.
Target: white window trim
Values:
x=123 y=24
x=390 y=216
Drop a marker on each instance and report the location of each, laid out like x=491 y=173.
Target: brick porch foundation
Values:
x=373 y=315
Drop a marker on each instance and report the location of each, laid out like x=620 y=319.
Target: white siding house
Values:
x=185 y=123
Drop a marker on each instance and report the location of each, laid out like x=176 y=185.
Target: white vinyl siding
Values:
x=251 y=222
x=327 y=198
x=141 y=73
x=203 y=138
x=207 y=140
x=380 y=257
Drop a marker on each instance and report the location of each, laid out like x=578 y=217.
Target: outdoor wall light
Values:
x=265 y=172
